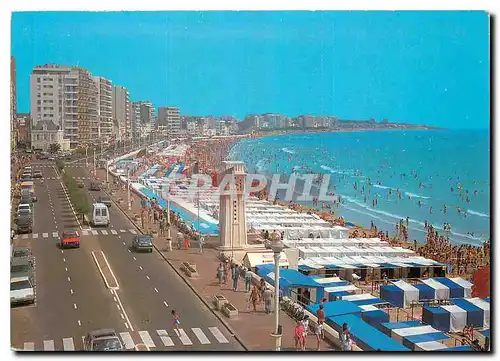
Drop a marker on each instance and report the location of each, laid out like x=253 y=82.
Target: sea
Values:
x=410 y=173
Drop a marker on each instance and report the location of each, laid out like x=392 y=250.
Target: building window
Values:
x=38 y=80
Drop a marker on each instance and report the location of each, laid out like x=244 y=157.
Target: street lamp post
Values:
x=128 y=190
x=95 y=174
x=86 y=155
x=107 y=173
x=277 y=248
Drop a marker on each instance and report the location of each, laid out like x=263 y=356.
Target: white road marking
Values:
x=167 y=341
x=135 y=259
x=85 y=232
x=54 y=234
x=66 y=269
x=148 y=277
x=24 y=236
x=29 y=346
x=165 y=303
x=129 y=250
x=127 y=340
x=71 y=291
x=104 y=232
x=118 y=306
x=183 y=337
x=132 y=231
x=156 y=290
x=124 y=243
x=16 y=236
x=79 y=323
x=64 y=259
x=218 y=335
x=35 y=235
x=114 y=299
x=114 y=232
x=68 y=344
x=126 y=325
x=146 y=339
x=140 y=267
x=74 y=306
x=201 y=336
x=122 y=231
x=48 y=345
x=95 y=233
x=69 y=279
x=121 y=315
x=123 y=309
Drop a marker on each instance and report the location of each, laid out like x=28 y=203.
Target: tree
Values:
x=54 y=148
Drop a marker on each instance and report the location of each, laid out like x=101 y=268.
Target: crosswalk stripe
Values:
x=54 y=234
x=16 y=236
x=68 y=344
x=95 y=233
x=85 y=233
x=45 y=235
x=122 y=231
x=132 y=231
x=183 y=337
x=24 y=236
x=104 y=232
x=165 y=338
x=201 y=336
x=146 y=339
x=35 y=235
x=114 y=232
x=127 y=340
x=29 y=346
x=218 y=335
x=48 y=345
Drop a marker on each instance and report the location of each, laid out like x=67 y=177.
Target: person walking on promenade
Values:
x=220 y=274
x=320 y=314
x=318 y=331
x=262 y=287
x=267 y=295
x=187 y=243
x=254 y=298
x=227 y=267
x=235 y=275
x=345 y=338
x=305 y=326
x=201 y=243
x=162 y=226
x=248 y=280
x=298 y=336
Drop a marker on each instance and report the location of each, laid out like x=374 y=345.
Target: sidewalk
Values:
x=253 y=328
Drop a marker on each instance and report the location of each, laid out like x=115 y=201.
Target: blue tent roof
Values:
x=487 y=299
x=370 y=301
x=387 y=327
x=336 y=308
x=437 y=317
x=367 y=337
x=392 y=294
x=289 y=277
x=456 y=291
x=457 y=349
x=425 y=292
x=485 y=333
x=475 y=315
x=410 y=341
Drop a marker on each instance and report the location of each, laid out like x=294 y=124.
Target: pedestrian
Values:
x=318 y=332
x=262 y=287
x=345 y=338
x=298 y=336
x=227 y=267
x=187 y=243
x=305 y=326
x=201 y=243
x=12 y=234
x=320 y=314
x=235 y=275
x=220 y=274
x=254 y=297
x=248 y=280
x=162 y=226
x=267 y=295
x=175 y=320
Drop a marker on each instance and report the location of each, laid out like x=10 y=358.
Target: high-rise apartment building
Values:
x=122 y=112
x=66 y=96
x=104 y=107
x=13 y=101
x=143 y=118
x=170 y=117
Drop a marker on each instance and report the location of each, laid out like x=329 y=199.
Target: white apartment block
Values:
x=143 y=118
x=122 y=112
x=104 y=107
x=67 y=97
x=170 y=117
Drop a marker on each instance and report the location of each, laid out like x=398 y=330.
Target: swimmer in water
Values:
x=430 y=210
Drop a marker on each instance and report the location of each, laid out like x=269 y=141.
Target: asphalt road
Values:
x=72 y=298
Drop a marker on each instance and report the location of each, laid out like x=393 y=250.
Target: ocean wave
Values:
x=286 y=150
x=413 y=195
x=382 y=187
x=470 y=211
x=324 y=167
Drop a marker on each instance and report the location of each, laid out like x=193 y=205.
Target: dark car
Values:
x=95 y=186
x=105 y=200
x=102 y=340
x=21 y=268
x=80 y=183
x=26 y=199
x=24 y=224
x=22 y=253
x=143 y=243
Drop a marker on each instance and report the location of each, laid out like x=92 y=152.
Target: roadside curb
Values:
x=186 y=281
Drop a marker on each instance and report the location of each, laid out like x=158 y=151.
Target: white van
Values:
x=100 y=214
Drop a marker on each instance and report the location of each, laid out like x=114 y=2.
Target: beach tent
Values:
x=456 y=290
x=433 y=336
x=392 y=294
x=441 y=292
x=437 y=317
x=367 y=337
x=466 y=285
x=425 y=292
x=336 y=291
x=485 y=306
x=475 y=315
x=363 y=299
x=387 y=327
x=429 y=346
x=374 y=316
x=458 y=318
x=336 y=308
x=400 y=333
x=410 y=293
x=458 y=349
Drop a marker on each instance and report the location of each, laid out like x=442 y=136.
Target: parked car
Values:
x=142 y=243
x=105 y=200
x=21 y=268
x=21 y=290
x=24 y=224
x=102 y=340
x=70 y=239
x=95 y=186
x=37 y=174
x=80 y=183
x=22 y=253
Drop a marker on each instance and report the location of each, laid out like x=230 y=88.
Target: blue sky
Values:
x=417 y=67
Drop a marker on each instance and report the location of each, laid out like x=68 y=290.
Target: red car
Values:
x=70 y=239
